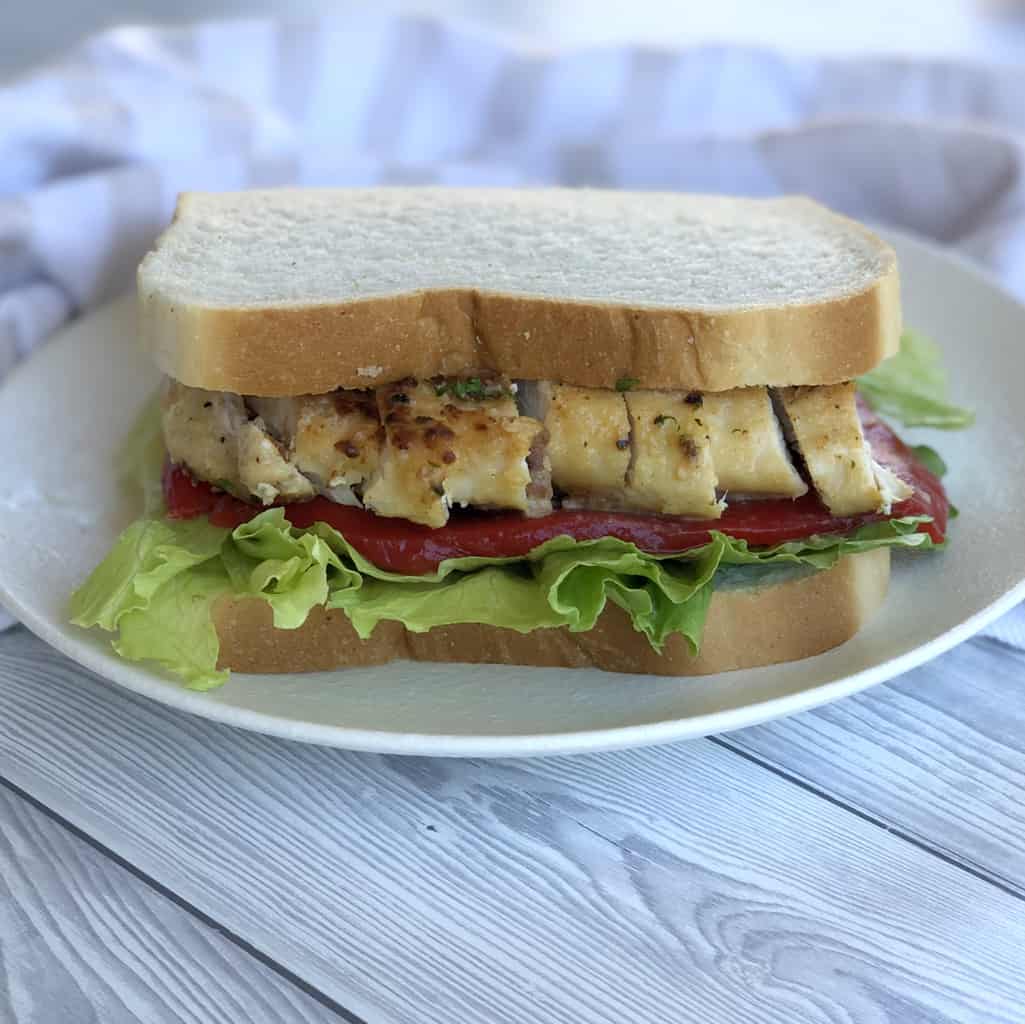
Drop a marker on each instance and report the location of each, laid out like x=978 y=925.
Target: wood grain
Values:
x=682 y=883
x=938 y=754
x=83 y=940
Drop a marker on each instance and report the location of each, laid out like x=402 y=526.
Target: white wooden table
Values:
x=861 y=863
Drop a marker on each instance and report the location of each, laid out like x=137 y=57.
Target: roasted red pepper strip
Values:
x=403 y=547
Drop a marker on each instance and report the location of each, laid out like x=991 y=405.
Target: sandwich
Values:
x=630 y=431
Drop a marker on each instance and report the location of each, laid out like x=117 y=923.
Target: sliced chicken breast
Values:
x=414 y=449
x=748 y=448
x=443 y=449
x=336 y=441
x=333 y=440
x=278 y=414
x=824 y=422
x=671 y=470
x=264 y=468
x=201 y=432
x=588 y=439
x=210 y=432
x=891 y=488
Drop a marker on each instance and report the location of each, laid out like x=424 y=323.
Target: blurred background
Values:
x=35 y=31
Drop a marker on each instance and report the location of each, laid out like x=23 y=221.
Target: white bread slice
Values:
x=746 y=627
x=295 y=291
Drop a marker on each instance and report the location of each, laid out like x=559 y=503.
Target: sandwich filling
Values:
x=402 y=546
x=519 y=504
x=415 y=450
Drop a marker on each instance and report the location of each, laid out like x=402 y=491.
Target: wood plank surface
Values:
x=938 y=754
x=684 y=883
x=83 y=940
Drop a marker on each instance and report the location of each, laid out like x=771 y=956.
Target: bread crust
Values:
x=303 y=348
x=746 y=628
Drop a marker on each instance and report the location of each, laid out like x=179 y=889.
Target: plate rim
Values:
x=141 y=680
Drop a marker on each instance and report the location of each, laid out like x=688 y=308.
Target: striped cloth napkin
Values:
x=93 y=149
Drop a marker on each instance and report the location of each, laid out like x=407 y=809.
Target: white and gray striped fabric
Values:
x=94 y=148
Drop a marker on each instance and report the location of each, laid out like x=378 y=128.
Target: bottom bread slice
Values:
x=746 y=627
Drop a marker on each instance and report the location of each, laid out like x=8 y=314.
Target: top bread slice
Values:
x=299 y=291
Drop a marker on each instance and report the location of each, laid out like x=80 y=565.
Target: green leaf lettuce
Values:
x=912 y=387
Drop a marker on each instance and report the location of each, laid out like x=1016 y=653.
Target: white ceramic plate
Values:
x=68 y=408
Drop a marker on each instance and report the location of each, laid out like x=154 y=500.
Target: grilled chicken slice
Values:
x=337 y=442
x=671 y=469
x=824 y=422
x=201 y=432
x=211 y=434
x=334 y=440
x=416 y=448
x=588 y=439
x=443 y=449
x=264 y=467
x=748 y=448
